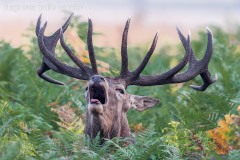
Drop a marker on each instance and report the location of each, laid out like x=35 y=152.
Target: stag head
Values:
x=107 y=100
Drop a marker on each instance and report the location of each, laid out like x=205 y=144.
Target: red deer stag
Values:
x=107 y=100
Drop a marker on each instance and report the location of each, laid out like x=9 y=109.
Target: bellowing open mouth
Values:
x=97 y=94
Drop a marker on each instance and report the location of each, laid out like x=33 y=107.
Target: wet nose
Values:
x=96 y=79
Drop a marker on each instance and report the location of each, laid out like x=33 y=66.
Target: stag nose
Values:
x=96 y=79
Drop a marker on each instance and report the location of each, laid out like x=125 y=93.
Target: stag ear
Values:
x=142 y=103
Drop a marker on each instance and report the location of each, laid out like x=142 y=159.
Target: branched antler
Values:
x=195 y=67
x=47 y=46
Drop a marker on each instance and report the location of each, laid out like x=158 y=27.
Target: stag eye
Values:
x=120 y=90
x=86 y=88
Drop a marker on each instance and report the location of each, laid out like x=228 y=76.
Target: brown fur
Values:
x=110 y=119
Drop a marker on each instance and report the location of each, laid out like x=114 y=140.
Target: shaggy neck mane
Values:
x=96 y=123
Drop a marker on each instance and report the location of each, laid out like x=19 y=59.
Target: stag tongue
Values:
x=95 y=101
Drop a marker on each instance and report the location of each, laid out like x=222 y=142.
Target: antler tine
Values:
x=207 y=80
x=209 y=50
x=90 y=47
x=124 y=69
x=144 y=62
x=187 y=46
x=76 y=60
x=182 y=38
x=206 y=76
x=38 y=26
x=182 y=64
x=41 y=73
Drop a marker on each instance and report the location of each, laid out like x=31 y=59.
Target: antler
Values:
x=195 y=68
x=47 y=45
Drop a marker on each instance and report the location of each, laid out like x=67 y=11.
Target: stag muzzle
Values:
x=97 y=79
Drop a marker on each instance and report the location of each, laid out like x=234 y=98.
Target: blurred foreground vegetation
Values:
x=39 y=120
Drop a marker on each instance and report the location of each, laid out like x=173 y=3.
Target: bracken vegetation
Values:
x=39 y=120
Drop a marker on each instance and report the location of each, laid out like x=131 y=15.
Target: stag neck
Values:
x=125 y=129
x=98 y=124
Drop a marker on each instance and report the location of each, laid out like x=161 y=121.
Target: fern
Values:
x=234 y=155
